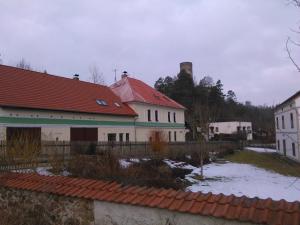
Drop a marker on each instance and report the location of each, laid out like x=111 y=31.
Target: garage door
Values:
x=84 y=134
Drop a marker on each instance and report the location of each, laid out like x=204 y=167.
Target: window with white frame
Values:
x=292 y=120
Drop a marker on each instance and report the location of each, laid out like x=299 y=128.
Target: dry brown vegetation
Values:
x=159 y=143
x=20 y=150
x=107 y=167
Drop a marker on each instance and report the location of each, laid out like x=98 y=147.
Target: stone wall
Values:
x=26 y=207
x=107 y=213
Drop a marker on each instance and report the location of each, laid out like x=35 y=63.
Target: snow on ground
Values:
x=242 y=179
x=127 y=162
x=124 y=163
x=266 y=150
x=44 y=171
x=182 y=165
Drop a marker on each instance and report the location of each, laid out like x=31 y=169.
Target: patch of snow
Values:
x=244 y=179
x=124 y=163
x=266 y=150
x=182 y=165
x=44 y=171
x=127 y=162
x=65 y=173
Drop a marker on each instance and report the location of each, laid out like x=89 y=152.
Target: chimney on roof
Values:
x=124 y=74
x=76 y=76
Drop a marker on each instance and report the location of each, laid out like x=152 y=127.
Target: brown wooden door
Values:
x=84 y=134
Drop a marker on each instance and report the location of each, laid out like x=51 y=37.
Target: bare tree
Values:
x=290 y=42
x=23 y=64
x=96 y=76
x=203 y=115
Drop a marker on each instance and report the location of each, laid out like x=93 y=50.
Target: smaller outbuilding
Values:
x=231 y=128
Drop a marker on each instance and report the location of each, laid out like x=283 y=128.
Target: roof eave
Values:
x=64 y=110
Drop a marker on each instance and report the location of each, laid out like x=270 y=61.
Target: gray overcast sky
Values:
x=241 y=42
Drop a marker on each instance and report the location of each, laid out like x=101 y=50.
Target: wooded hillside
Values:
x=206 y=102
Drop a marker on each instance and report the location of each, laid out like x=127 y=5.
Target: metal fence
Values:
x=63 y=150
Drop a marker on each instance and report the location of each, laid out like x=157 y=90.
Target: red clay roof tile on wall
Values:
x=251 y=210
x=29 y=89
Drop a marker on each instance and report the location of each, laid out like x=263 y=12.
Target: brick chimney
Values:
x=124 y=74
x=76 y=77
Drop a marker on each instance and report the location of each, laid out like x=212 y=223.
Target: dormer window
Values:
x=101 y=102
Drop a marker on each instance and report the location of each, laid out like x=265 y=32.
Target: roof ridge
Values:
x=134 y=92
x=50 y=74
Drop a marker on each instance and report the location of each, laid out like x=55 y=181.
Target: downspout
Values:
x=135 y=118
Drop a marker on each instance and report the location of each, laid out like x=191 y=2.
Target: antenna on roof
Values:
x=115 y=70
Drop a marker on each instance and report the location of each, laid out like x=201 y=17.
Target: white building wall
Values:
x=55 y=133
x=231 y=128
x=107 y=213
x=48 y=114
x=143 y=132
x=141 y=110
x=288 y=133
x=61 y=132
x=140 y=132
x=104 y=131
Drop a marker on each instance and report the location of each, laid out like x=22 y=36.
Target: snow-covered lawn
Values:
x=43 y=171
x=243 y=179
x=266 y=150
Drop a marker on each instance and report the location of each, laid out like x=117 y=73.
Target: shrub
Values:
x=56 y=162
x=21 y=149
x=158 y=143
x=154 y=173
x=102 y=166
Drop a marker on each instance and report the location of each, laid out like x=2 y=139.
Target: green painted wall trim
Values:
x=46 y=121
x=152 y=124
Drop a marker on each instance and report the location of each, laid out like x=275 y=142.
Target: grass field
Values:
x=268 y=161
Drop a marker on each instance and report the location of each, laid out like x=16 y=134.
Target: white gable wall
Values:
x=288 y=133
x=145 y=128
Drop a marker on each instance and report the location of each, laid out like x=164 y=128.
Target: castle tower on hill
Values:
x=187 y=66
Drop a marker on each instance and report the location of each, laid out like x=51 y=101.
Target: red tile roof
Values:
x=29 y=89
x=253 y=210
x=133 y=90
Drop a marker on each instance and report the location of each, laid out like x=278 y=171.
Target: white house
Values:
x=287 y=127
x=49 y=107
x=232 y=127
x=155 y=111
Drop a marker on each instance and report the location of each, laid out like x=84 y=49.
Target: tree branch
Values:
x=289 y=53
